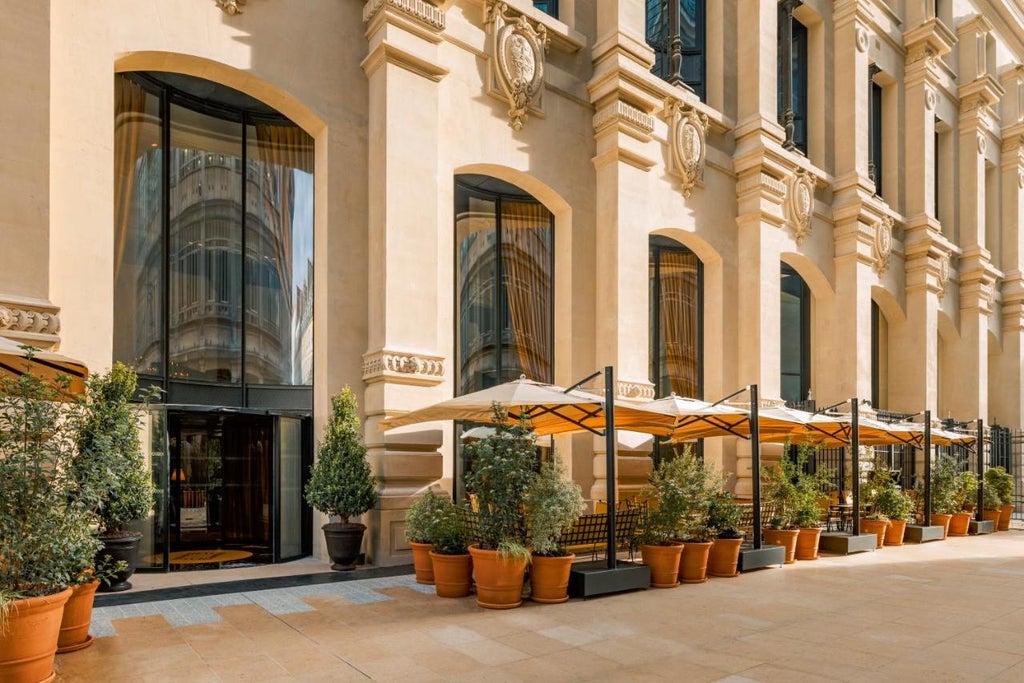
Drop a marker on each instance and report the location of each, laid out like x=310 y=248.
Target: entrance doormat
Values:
x=202 y=556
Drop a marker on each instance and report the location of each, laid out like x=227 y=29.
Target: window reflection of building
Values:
x=676 y=311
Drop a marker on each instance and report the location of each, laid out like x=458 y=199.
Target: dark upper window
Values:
x=549 y=7
x=676 y=312
x=875 y=133
x=795 y=336
x=667 y=21
x=206 y=292
x=792 y=77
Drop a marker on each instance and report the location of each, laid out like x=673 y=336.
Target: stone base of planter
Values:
x=839 y=543
x=983 y=527
x=922 y=534
x=588 y=579
x=765 y=556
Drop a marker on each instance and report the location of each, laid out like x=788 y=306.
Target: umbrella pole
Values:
x=927 y=468
x=980 y=452
x=855 y=461
x=755 y=464
x=609 y=442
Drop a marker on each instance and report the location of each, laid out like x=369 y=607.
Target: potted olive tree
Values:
x=45 y=536
x=797 y=493
x=700 y=486
x=552 y=505
x=109 y=461
x=1001 y=482
x=417 y=532
x=503 y=466
x=340 y=483
x=724 y=519
x=661 y=527
x=449 y=554
x=966 y=494
x=945 y=487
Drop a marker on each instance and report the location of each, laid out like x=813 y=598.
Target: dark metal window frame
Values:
x=657 y=246
x=793 y=76
x=805 y=327
x=548 y=7
x=875 y=150
x=671 y=68
x=241 y=394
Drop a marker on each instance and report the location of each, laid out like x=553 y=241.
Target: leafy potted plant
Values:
x=109 y=461
x=340 y=483
x=1001 y=482
x=945 y=487
x=895 y=505
x=699 y=485
x=778 y=486
x=966 y=493
x=552 y=504
x=503 y=466
x=723 y=519
x=991 y=503
x=417 y=531
x=45 y=532
x=661 y=526
x=449 y=554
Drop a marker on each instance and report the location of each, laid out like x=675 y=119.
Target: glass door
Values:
x=291 y=467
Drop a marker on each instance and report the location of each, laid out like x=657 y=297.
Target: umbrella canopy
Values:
x=46 y=365
x=550 y=409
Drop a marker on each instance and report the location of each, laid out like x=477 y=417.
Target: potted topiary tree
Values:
x=700 y=486
x=503 y=466
x=109 y=462
x=1001 y=482
x=340 y=483
x=45 y=535
x=449 y=539
x=552 y=504
x=417 y=532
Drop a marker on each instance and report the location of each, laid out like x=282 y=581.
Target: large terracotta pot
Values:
x=693 y=563
x=74 y=626
x=943 y=521
x=120 y=548
x=453 y=574
x=894 y=534
x=421 y=562
x=1005 y=512
x=343 y=544
x=960 y=523
x=29 y=643
x=786 y=538
x=878 y=527
x=992 y=516
x=724 y=557
x=664 y=563
x=549 y=578
x=499 y=579
x=807 y=543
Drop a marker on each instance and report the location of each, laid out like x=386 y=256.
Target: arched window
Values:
x=795 y=336
x=676 y=319
x=213 y=240
x=504 y=268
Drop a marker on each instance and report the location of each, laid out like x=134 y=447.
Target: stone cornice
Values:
x=31 y=321
x=626 y=118
x=418 y=10
x=403 y=367
x=630 y=390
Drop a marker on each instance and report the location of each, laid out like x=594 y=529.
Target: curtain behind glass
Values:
x=476 y=271
x=526 y=260
x=679 y=303
x=279 y=256
x=138 y=244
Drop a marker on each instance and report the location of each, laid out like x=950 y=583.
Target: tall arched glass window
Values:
x=504 y=278
x=795 y=336
x=213 y=254
x=676 y=319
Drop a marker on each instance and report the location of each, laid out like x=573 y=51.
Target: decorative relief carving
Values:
x=18 y=319
x=919 y=51
x=402 y=367
x=943 y=274
x=687 y=143
x=929 y=99
x=861 y=39
x=417 y=9
x=232 y=7
x=800 y=204
x=882 y=244
x=982 y=143
x=518 y=55
x=1020 y=180
x=635 y=390
x=623 y=111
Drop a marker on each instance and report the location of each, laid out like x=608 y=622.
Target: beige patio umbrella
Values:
x=14 y=362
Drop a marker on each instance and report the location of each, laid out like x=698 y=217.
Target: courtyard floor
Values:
x=943 y=611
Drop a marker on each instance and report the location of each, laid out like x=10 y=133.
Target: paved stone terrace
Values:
x=944 y=611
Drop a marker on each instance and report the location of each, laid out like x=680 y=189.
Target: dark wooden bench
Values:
x=590 y=532
x=746 y=524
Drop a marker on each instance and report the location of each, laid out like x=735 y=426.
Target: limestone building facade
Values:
x=256 y=202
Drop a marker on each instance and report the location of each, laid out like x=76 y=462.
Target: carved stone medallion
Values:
x=518 y=54
x=882 y=245
x=943 y=274
x=232 y=7
x=687 y=142
x=800 y=204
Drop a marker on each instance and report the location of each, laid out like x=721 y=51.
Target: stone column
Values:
x=401 y=366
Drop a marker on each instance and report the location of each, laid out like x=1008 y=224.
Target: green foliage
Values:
x=502 y=468
x=1001 y=483
x=990 y=498
x=683 y=488
x=552 y=504
x=447 y=530
x=884 y=494
x=421 y=515
x=45 y=537
x=340 y=482
x=966 y=489
x=945 y=485
x=795 y=492
x=723 y=515
x=109 y=467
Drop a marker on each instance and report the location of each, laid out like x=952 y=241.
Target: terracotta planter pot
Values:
x=1005 y=512
x=992 y=516
x=786 y=538
x=960 y=523
x=878 y=527
x=664 y=563
x=74 y=626
x=693 y=563
x=343 y=544
x=453 y=574
x=724 y=557
x=807 y=543
x=421 y=562
x=120 y=548
x=499 y=580
x=549 y=578
x=943 y=521
x=29 y=643
x=894 y=534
